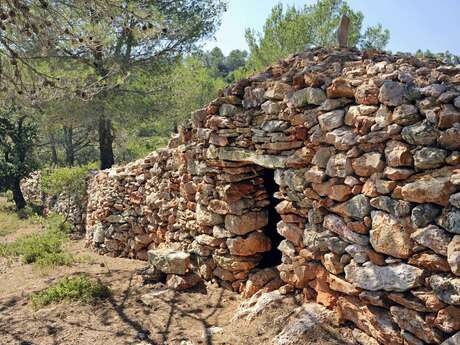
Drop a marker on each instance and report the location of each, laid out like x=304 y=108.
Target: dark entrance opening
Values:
x=273 y=257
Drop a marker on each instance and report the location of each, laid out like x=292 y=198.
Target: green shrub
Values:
x=140 y=147
x=69 y=180
x=28 y=212
x=76 y=289
x=44 y=249
x=54 y=222
x=9 y=196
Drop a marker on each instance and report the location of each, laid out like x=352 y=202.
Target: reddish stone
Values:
x=367 y=94
x=371 y=320
x=448 y=319
x=340 y=88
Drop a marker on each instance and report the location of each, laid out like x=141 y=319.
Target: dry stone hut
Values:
x=334 y=171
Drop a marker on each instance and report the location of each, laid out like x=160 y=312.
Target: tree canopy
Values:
x=291 y=29
x=18 y=134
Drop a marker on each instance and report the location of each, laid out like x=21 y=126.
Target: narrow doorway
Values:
x=271 y=258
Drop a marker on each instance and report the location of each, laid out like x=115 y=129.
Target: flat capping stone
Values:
x=242 y=155
x=169 y=261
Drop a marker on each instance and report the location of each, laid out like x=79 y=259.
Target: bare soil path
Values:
x=135 y=314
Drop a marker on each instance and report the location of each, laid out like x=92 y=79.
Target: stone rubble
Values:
x=73 y=207
x=364 y=149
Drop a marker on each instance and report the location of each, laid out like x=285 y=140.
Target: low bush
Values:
x=135 y=149
x=44 y=248
x=74 y=289
x=9 y=196
x=69 y=180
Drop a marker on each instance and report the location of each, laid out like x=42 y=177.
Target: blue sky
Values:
x=425 y=24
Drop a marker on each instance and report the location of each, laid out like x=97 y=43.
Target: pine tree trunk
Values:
x=105 y=143
x=54 y=156
x=17 y=195
x=68 y=146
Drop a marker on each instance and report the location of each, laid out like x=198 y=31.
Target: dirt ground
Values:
x=135 y=314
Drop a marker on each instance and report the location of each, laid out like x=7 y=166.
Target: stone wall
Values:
x=71 y=206
x=364 y=149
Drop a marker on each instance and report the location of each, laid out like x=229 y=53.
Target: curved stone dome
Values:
x=365 y=152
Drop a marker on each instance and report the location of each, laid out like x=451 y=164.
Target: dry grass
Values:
x=9 y=219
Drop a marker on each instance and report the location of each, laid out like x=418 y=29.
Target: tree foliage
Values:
x=103 y=41
x=375 y=37
x=288 y=30
x=106 y=37
x=446 y=57
x=18 y=135
x=222 y=66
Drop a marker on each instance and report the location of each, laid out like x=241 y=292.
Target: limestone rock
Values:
x=363 y=338
x=448 y=319
x=428 y=189
x=339 y=166
x=429 y=158
x=396 y=174
x=367 y=94
x=277 y=91
x=457 y=102
x=256 y=304
x=372 y=320
x=255 y=242
x=421 y=133
x=261 y=278
x=184 y=282
x=337 y=225
x=368 y=164
x=290 y=231
x=357 y=207
x=450 y=220
x=413 y=322
x=432 y=237
x=308 y=319
x=424 y=214
x=449 y=138
x=248 y=222
x=453 y=255
x=206 y=217
x=407 y=300
x=169 y=261
x=405 y=114
x=448 y=116
x=287 y=248
x=397 y=208
x=236 y=263
x=275 y=126
x=454 y=200
x=242 y=155
x=227 y=110
x=397 y=277
x=98 y=233
x=446 y=288
x=390 y=236
x=391 y=93
x=340 y=88
x=322 y=156
x=430 y=261
x=331 y=120
x=331 y=262
x=308 y=95
x=342 y=138
x=398 y=154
